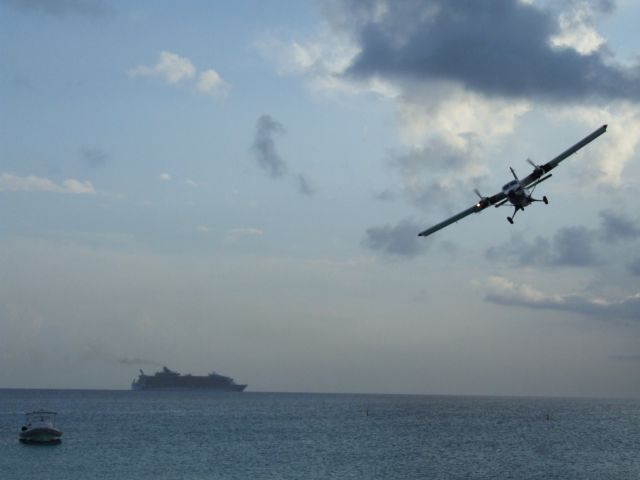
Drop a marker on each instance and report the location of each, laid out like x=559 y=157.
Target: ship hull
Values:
x=234 y=388
x=170 y=380
x=41 y=435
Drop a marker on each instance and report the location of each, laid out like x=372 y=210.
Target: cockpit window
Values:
x=508 y=186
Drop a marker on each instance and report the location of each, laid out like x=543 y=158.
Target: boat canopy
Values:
x=40 y=416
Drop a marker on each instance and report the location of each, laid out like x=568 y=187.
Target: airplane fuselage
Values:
x=516 y=194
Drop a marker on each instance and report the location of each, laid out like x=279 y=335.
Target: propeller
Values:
x=536 y=168
x=484 y=201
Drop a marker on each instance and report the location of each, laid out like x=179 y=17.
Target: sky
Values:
x=238 y=187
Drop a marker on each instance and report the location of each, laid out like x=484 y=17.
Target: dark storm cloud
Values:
x=264 y=146
x=617 y=227
x=495 y=47
x=400 y=240
x=570 y=246
x=91 y=8
x=626 y=309
x=93 y=157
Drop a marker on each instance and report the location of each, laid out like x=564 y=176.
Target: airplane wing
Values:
x=539 y=174
x=541 y=170
x=478 y=207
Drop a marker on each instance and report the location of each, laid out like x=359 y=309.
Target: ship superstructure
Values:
x=170 y=380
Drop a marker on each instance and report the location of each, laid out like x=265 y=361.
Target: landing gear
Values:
x=545 y=200
x=515 y=210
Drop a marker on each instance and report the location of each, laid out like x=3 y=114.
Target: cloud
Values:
x=175 y=69
x=264 y=146
x=570 y=246
x=400 y=240
x=505 y=292
x=574 y=246
x=616 y=227
x=604 y=160
x=89 y=8
x=93 y=157
x=385 y=195
x=520 y=251
x=576 y=25
x=76 y=186
x=304 y=186
x=171 y=67
x=499 y=48
x=236 y=233
x=165 y=177
x=455 y=68
x=211 y=83
x=634 y=267
x=430 y=171
x=15 y=183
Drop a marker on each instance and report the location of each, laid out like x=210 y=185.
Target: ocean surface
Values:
x=201 y=435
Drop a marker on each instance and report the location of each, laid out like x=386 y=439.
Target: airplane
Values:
x=518 y=192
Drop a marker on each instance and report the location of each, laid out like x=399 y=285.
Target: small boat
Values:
x=39 y=427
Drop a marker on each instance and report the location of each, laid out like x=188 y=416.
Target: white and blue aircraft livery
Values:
x=518 y=193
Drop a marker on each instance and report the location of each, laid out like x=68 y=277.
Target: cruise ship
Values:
x=169 y=380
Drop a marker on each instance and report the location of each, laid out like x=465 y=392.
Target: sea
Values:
x=204 y=435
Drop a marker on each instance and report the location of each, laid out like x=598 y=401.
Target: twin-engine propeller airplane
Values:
x=518 y=193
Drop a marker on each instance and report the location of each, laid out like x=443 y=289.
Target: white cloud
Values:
x=15 y=183
x=76 y=186
x=577 y=29
x=211 y=83
x=453 y=112
x=191 y=183
x=171 y=67
x=165 y=177
x=321 y=59
x=500 y=287
x=175 y=69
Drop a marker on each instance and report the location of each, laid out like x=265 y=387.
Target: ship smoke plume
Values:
x=138 y=361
